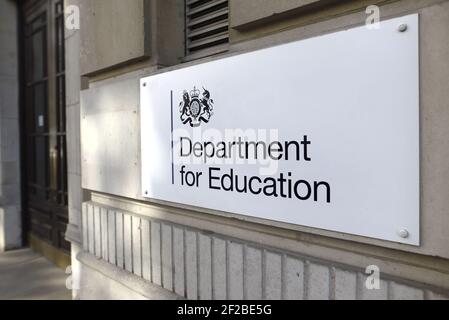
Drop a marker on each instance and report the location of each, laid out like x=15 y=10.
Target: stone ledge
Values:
x=125 y=278
x=246 y=14
x=73 y=234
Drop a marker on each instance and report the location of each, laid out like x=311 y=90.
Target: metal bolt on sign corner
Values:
x=402 y=27
x=403 y=233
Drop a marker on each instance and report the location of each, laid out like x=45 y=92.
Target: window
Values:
x=207 y=26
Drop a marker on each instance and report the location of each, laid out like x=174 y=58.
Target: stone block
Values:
x=273 y=276
x=10 y=228
x=294 y=279
x=97 y=231
x=111 y=237
x=345 y=285
x=191 y=265
x=127 y=242
x=246 y=13
x=404 y=292
x=104 y=234
x=235 y=271
x=317 y=282
x=90 y=228
x=219 y=279
x=113 y=33
x=178 y=261
x=120 y=240
x=253 y=274
x=110 y=135
x=9 y=93
x=136 y=246
x=73 y=76
x=167 y=263
x=156 y=253
x=73 y=140
x=9 y=141
x=85 y=228
x=10 y=174
x=431 y=295
x=146 y=249
x=205 y=267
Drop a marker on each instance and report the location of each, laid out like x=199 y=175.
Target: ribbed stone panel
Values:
x=199 y=265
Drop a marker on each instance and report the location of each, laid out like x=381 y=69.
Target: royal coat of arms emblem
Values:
x=196 y=109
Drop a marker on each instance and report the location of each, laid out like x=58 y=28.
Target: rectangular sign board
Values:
x=322 y=132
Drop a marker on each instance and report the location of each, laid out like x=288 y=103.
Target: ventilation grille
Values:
x=206 y=24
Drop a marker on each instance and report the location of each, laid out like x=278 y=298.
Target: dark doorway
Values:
x=44 y=126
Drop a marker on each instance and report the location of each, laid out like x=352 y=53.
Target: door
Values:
x=44 y=125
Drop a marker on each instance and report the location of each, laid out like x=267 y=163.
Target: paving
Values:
x=26 y=275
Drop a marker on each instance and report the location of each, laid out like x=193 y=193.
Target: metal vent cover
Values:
x=207 y=24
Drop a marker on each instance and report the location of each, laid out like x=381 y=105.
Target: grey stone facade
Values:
x=164 y=250
x=126 y=247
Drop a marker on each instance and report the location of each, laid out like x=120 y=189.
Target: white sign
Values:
x=322 y=133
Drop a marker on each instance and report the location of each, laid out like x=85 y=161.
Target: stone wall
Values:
x=73 y=87
x=150 y=249
x=196 y=264
x=10 y=202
